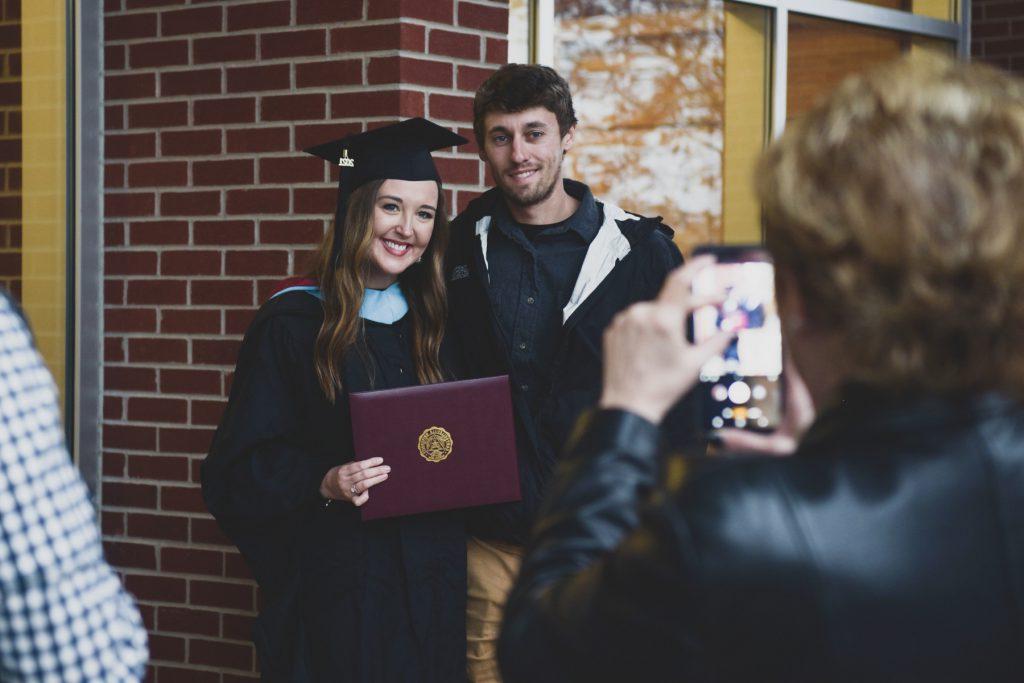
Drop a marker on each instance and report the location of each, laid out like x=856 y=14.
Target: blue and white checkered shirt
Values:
x=63 y=613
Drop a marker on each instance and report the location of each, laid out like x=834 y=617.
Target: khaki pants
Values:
x=491 y=569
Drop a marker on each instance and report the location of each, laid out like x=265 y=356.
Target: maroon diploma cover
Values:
x=449 y=445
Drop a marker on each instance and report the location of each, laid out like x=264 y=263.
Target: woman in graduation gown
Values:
x=343 y=599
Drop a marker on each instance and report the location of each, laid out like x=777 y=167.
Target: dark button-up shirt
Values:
x=392 y=365
x=532 y=271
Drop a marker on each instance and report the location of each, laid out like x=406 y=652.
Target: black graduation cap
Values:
x=400 y=151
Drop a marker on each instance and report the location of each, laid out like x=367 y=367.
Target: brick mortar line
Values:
x=160 y=191
x=455 y=27
x=167 y=366
x=184 y=514
x=227 y=550
x=267 y=124
x=207 y=667
x=223 y=549
x=291 y=213
x=119 y=393
x=175 y=336
x=142 y=394
x=212 y=610
x=253 y=156
x=245 y=125
x=161 y=513
x=238 y=65
x=235 y=581
x=170 y=482
x=217 y=639
x=120 y=422
x=167 y=514
x=199 y=336
x=114 y=422
x=292 y=27
x=180 y=545
x=146 y=452
x=203 y=636
x=230 y=580
x=161 y=543
x=248 y=64
x=206 y=546
x=182 y=335
x=308 y=59
x=128 y=452
x=135 y=422
x=329 y=51
x=255 y=248
x=346 y=22
x=128 y=162
x=179 y=307
x=158 y=217
x=155 y=394
x=158 y=452
x=111 y=479
x=154 y=602
x=364 y=88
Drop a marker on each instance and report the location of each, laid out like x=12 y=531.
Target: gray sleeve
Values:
x=64 y=615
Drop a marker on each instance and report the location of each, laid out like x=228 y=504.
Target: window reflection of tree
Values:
x=648 y=78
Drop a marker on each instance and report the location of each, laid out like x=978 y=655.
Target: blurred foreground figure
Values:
x=63 y=614
x=890 y=547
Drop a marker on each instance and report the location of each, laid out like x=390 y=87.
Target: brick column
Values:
x=997 y=33
x=208 y=203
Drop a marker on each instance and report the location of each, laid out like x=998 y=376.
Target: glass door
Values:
x=677 y=98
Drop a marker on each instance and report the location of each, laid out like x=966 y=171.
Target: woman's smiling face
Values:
x=403 y=222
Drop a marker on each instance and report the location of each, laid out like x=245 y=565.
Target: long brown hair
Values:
x=344 y=283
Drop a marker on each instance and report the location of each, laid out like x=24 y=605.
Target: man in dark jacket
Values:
x=890 y=546
x=537 y=268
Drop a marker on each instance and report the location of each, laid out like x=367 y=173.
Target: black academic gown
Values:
x=342 y=600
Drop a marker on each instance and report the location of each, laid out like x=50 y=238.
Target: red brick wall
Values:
x=208 y=203
x=10 y=146
x=997 y=33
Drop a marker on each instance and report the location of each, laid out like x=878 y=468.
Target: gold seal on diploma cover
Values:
x=435 y=444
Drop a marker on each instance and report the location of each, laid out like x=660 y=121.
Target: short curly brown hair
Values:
x=898 y=207
x=516 y=87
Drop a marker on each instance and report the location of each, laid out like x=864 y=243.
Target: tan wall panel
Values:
x=44 y=274
x=937 y=9
x=746 y=119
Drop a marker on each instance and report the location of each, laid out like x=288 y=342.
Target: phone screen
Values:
x=741 y=387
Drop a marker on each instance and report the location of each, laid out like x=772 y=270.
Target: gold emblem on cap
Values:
x=435 y=444
x=345 y=160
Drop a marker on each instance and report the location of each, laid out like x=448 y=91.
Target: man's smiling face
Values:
x=524 y=152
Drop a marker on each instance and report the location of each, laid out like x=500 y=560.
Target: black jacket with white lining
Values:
x=626 y=262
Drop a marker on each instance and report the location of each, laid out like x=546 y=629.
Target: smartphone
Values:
x=742 y=387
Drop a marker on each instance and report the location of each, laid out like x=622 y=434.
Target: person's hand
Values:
x=648 y=362
x=798 y=413
x=352 y=481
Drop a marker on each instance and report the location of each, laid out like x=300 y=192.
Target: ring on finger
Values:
x=353 y=489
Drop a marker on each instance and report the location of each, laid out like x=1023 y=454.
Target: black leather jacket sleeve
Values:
x=602 y=594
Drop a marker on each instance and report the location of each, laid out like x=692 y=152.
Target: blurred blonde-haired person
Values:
x=890 y=546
